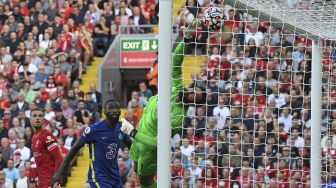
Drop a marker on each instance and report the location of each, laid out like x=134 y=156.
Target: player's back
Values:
x=42 y=144
x=104 y=142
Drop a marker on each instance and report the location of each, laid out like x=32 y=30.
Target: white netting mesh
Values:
x=255 y=130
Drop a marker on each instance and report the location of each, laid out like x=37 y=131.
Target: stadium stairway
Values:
x=176 y=7
x=79 y=173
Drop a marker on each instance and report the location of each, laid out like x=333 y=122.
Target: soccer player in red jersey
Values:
x=45 y=149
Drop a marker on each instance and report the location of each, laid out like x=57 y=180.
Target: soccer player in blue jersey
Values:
x=104 y=139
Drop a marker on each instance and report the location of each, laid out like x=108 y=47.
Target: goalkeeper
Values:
x=144 y=147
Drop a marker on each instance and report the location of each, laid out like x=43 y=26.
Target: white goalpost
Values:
x=164 y=93
x=316 y=100
x=219 y=149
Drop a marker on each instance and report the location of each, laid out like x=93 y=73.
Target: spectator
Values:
x=66 y=110
x=38 y=100
x=131 y=27
x=92 y=107
x=92 y=14
x=3 y=163
x=54 y=129
x=123 y=170
x=152 y=76
x=286 y=119
x=221 y=112
x=11 y=172
x=22 y=104
x=13 y=139
x=139 y=18
x=64 y=151
x=5 y=182
x=96 y=97
x=49 y=114
x=186 y=148
x=3 y=130
x=72 y=99
x=144 y=92
x=298 y=140
x=23 y=151
x=195 y=171
x=28 y=136
x=5 y=149
x=69 y=139
x=81 y=115
x=101 y=36
x=137 y=110
x=176 y=171
x=17 y=129
x=22 y=181
x=7 y=118
x=129 y=163
x=60 y=119
x=135 y=97
x=130 y=117
x=17 y=84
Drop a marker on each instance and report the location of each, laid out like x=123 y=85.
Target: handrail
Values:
x=138 y=29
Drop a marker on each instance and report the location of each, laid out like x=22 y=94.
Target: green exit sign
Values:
x=139 y=45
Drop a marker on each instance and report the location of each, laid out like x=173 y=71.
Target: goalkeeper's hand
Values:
x=128 y=128
x=187 y=31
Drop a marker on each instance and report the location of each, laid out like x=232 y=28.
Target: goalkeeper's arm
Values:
x=178 y=54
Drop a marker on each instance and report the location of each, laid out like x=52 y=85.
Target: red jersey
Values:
x=245 y=182
x=210 y=183
x=47 y=156
x=283 y=184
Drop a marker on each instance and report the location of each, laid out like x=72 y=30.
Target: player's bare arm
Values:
x=69 y=157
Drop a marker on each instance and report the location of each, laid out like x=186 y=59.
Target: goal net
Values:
x=261 y=117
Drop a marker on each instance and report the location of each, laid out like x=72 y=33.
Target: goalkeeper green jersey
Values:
x=148 y=123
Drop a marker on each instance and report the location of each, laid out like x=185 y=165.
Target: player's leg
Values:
x=134 y=154
x=147 y=166
x=144 y=180
x=147 y=181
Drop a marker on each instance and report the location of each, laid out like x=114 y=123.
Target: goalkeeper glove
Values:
x=128 y=128
x=187 y=31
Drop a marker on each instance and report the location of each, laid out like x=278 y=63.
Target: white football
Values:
x=213 y=18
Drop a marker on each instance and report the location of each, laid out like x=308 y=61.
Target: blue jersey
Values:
x=104 y=142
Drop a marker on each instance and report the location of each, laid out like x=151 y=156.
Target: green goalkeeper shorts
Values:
x=145 y=157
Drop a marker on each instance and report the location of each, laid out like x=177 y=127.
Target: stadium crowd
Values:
x=255 y=130
x=45 y=47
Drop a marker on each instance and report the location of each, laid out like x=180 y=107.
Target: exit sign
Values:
x=139 y=45
x=138 y=53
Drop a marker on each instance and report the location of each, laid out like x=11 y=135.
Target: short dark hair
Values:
x=204 y=97
x=111 y=101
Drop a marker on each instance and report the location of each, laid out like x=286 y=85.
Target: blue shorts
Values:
x=106 y=184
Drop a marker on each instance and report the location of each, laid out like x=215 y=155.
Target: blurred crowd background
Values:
x=254 y=130
x=45 y=48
